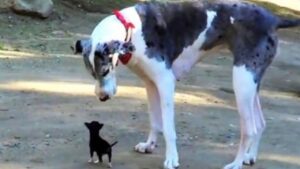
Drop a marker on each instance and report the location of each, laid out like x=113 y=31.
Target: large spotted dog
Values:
x=166 y=40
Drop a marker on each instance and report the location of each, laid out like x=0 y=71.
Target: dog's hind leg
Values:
x=155 y=116
x=260 y=124
x=245 y=89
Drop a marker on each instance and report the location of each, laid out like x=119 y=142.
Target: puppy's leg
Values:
x=260 y=127
x=245 y=92
x=91 y=155
x=166 y=89
x=99 y=158
x=109 y=159
x=155 y=119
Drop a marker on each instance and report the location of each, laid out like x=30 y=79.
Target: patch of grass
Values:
x=278 y=10
x=2 y=46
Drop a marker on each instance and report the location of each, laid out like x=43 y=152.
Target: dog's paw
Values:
x=249 y=159
x=96 y=161
x=90 y=160
x=171 y=162
x=145 y=147
x=234 y=165
x=109 y=165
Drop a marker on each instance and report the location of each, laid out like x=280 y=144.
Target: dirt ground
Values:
x=46 y=95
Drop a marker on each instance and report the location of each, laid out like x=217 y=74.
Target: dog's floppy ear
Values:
x=122 y=47
x=82 y=46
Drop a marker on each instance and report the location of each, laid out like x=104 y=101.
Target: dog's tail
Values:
x=114 y=143
x=288 y=23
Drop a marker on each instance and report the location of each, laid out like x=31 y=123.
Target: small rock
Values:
x=36 y=8
x=58 y=32
x=48 y=136
x=37 y=160
x=17 y=137
x=11 y=143
x=231 y=144
x=133 y=116
x=232 y=125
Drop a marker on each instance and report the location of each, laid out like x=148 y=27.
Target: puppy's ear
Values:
x=82 y=46
x=100 y=126
x=122 y=47
x=87 y=124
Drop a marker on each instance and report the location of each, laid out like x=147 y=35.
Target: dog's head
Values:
x=101 y=60
x=94 y=126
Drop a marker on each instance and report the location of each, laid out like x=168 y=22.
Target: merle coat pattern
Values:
x=169 y=39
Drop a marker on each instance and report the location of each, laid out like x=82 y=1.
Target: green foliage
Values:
x=278 y=10
x=2 y=46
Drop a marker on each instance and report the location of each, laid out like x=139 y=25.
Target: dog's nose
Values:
x=103 y=98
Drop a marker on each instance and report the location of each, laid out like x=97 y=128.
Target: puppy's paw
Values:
x=90 y=160
x=96 y=161
x=145 y=147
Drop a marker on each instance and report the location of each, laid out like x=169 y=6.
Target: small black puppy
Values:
x=97 y=144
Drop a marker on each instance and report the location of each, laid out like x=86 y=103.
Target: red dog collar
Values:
x=128 y=26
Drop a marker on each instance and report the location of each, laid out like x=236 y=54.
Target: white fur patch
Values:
x=191 y=54
x=109 y=86
x=245 y=92
x=110 y=28
x=232 y=20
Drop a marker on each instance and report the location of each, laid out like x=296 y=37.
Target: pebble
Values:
x=11 y=144
x=231 y=144
x=37 y=160
x=232 y=125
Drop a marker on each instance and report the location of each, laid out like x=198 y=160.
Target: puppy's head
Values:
x=94 y=126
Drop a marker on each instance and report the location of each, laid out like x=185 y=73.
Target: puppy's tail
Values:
x=288 y=23
x=113 y=143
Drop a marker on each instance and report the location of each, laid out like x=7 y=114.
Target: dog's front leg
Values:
x=166 y=89
x=155 y=117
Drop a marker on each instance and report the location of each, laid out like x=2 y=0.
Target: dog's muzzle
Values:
x=103 y=98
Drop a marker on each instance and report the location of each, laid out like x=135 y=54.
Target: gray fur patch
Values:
x=86 y=47
x=170 y=27
x=251 y=37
